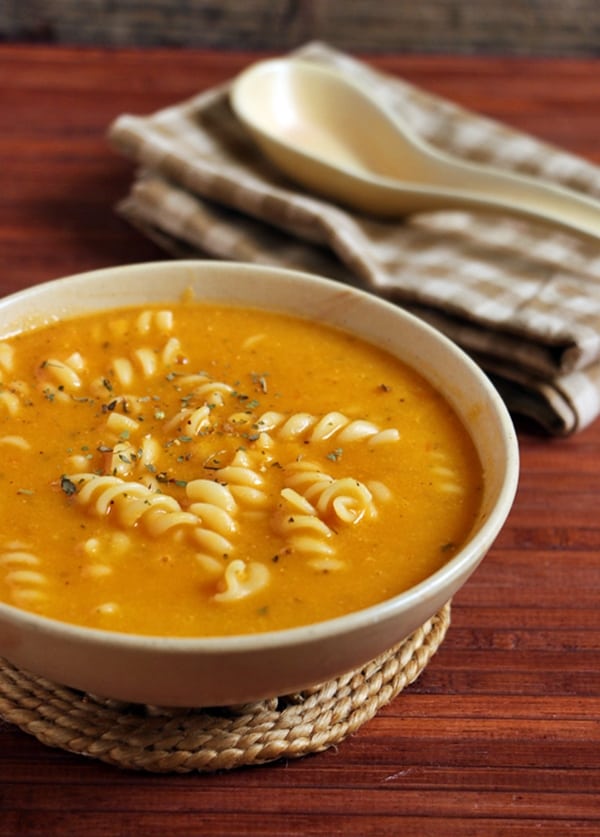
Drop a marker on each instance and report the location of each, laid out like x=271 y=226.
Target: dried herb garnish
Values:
x=68 y=486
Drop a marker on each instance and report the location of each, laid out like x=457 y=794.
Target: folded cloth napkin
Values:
x=523 y=299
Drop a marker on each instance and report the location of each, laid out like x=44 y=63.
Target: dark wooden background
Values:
x=509 y=27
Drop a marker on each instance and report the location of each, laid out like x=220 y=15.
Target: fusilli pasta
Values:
x=322 y=428
x=26 y=580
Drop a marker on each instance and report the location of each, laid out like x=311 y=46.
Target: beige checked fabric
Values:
x=523 y=299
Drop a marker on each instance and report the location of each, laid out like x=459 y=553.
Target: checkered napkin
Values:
x=521 y=298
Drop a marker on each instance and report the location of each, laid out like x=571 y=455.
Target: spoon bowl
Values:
x=332 y=136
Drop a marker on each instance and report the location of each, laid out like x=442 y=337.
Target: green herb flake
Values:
x=68 y=486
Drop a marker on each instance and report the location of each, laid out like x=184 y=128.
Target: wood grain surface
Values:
x=475 y=27
x=501 y=734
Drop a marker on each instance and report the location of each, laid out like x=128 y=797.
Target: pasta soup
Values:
x=204 y=469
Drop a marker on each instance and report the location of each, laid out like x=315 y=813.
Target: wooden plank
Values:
x=513 y=27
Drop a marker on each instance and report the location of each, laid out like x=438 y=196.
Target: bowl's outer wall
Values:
x=234 y=670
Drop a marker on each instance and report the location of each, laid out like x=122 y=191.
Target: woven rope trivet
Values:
x=184 y=740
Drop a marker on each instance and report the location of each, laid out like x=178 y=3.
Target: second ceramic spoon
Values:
x=329 y=134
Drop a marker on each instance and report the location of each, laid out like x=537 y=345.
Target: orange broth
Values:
x=343 y=477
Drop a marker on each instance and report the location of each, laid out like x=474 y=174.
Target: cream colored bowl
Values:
x=232 y=670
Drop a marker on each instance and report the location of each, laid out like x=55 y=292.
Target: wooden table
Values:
x=501 y=734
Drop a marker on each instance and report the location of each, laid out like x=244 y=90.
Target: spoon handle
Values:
x=471 y=186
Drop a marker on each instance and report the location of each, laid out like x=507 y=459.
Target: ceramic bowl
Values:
x=232 y=670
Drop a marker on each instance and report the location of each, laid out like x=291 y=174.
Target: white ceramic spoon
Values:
x=328 y=133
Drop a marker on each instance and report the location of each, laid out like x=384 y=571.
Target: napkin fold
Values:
x=521 y=298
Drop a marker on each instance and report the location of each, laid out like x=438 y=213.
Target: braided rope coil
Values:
x=206 y=740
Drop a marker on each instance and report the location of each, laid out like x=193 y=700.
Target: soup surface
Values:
x=200 y=469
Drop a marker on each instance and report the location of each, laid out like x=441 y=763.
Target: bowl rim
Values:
x=476 y=545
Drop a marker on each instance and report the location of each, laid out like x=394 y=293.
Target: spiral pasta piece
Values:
x=123 y=372
x=147 y=361
x=299 y=524
x=190 y=420
x=100 y=554
x=288 y=427
x=244 y=481
x=131 y=502
x=306 y=426
x=241 y=580
x=144 y=361
x=149 y=450
x=150 y=320
x=121 y=459
x=213 y=504
x=10 y=402
x=23 y=574
x=118 y=423
x=215 y=508
x=345 y=500
x=445 y=478
x=125 y=459
x=7 y=357
x=15 y=442
x=64 y=374
x=203 y=387
x=307 y=479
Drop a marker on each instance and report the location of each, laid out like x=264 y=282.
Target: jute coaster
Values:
x=205 y=740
